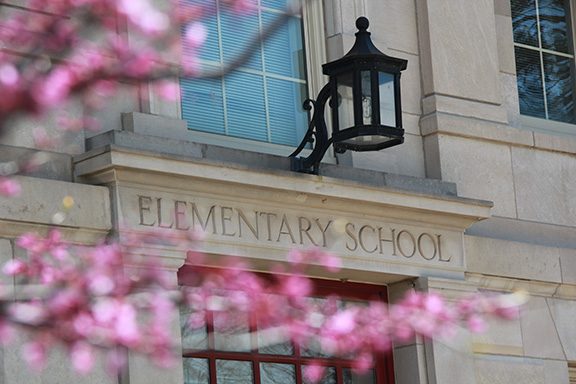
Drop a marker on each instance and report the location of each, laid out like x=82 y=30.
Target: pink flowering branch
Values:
x=53 y=52
x=85 y=299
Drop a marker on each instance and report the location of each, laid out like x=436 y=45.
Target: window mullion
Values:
x=222 y=66
x=541 y=55
x=264 y=82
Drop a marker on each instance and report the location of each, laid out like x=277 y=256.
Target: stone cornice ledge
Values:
x=113 y=164
x=40 y=199
x=533 y=287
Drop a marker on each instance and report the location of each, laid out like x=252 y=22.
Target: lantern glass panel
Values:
x=366 y=97
x=345 y=101
x=387 y=100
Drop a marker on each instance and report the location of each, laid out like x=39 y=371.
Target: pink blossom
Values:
x=35 y=354
x=82 y=357
x=9 y=187
x=314 y=372
x=14 y=267
x=195 y=35
x=342 y=322
x=476 y=324
x=9 y=74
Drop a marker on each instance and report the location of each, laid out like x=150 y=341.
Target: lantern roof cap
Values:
x=364 y=49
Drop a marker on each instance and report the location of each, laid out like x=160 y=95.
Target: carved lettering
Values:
x=159 y=209
x=253 y=228
x=144 y=205
x=232 y=222
x=323 y=230
x=361 y=238
x=440 y=251
x=226 y=217
x=420 y=247
x=382 y=240
x=268 y=223
x=203 y=224
x=180 y=215
x=350 y=228
x=286 y=231
x=412 y=240
x=304 y=226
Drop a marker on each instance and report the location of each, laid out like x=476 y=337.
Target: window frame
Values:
x=546 y=125
x=383 y=365
x=315 y=51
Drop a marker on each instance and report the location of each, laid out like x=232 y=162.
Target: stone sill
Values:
x=527 y=135
x=261 y=162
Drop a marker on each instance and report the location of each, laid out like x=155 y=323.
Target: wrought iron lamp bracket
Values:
x=317 y=134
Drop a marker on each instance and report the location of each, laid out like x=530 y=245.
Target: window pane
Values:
x=530 y=89
x=202 y=104
x=246 y=106
x=345 y=101
x=196 y=338
x=351 y=377
x=234 y=372
x=524 y=22
x=387 y=108
x=559 y=94
x=196 y=371
x=329 y=376
x=553 y=25
x=283 y=52
x=288 y=120
x=275 y=4
x=237 y=35
x=211 y=48
x=231 y=334
x=276 y=373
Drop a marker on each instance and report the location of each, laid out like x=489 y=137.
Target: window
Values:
x=262 y=98
x=211 y=357
x=544 y=59
x=572 y=372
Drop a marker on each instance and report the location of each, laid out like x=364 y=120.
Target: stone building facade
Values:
x=479 y=197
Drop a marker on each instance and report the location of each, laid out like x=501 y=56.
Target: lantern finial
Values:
x=362 y=24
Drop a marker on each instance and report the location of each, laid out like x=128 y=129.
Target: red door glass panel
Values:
x=211 y=358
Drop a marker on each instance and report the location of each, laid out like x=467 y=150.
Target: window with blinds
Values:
x=260 y=99
x=544 y=58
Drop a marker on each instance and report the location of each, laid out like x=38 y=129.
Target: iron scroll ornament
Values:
x=317 y=133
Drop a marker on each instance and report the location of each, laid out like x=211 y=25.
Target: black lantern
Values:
x=364 y=93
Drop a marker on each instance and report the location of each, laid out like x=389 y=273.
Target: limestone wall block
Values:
x=544 y=185
x=504 y=370
x=564 y=316
x=539 y=334
x=568 y=265
x=406 y=159
x=506 y=58
x=482 y=170
x=511 y=259
x=459 y=49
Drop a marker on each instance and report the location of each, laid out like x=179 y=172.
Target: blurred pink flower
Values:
x=9 y=187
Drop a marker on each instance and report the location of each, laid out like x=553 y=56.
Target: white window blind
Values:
x=260 y=99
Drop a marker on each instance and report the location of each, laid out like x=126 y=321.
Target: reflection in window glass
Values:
x=196 y=371
x=276 y=373
x=351 y=377
x=231 y=334
x=234 y=372
x=192 y=338
x=544 y=59
x=329 y=376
